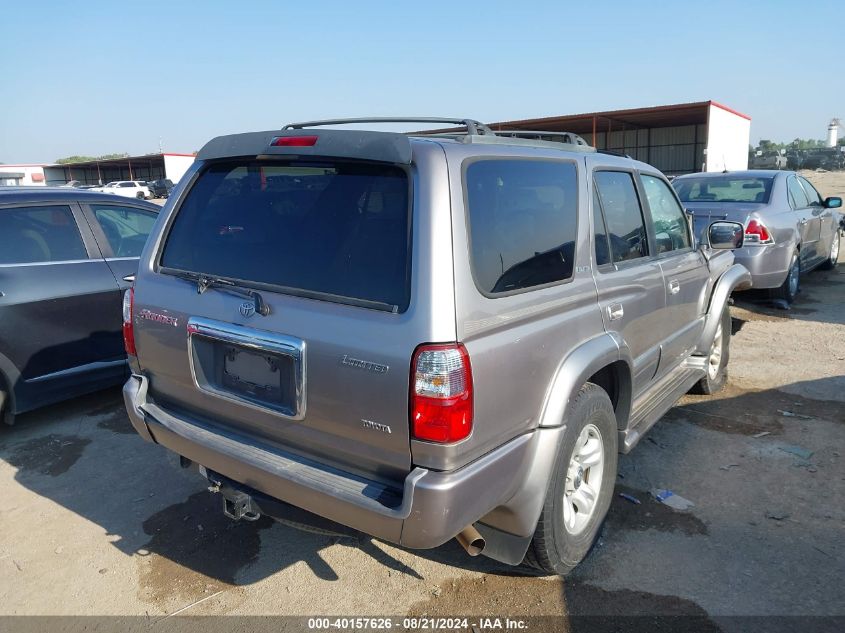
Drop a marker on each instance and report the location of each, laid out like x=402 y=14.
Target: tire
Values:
x=833 y=258
x=717 y=360
x=563 y=538
x=6 y=415
x=140 y=195
x=788 y=290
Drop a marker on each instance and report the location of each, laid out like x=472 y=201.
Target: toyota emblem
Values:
x=247 y=309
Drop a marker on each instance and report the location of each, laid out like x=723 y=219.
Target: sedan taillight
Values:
x=757 y=233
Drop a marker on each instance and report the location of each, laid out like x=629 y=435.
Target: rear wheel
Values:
x=140 y=195
x=717 y=359
x=833 y=259
x=581 y=489
x=788 y=290
x=6 y=414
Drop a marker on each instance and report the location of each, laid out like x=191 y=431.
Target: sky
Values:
x=91 y=78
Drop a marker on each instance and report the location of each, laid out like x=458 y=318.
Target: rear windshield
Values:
x=337 y=231
x=724 y=189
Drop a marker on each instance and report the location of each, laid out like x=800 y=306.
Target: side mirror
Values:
x=834 y=202
x=725 y=235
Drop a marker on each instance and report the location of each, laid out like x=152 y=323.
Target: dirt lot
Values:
x=95 y=521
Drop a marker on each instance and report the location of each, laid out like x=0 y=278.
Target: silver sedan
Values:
x=789 y=228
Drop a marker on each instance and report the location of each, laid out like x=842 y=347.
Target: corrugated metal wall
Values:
x=673 y=150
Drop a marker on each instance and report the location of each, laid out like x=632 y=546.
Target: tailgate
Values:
x=325 y=371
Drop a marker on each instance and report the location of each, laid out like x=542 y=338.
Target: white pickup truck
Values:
x=127 y=189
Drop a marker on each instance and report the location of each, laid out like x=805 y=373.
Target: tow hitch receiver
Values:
x=239 y=505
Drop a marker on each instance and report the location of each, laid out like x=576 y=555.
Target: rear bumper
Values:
x=768 y=264
x=430 y=509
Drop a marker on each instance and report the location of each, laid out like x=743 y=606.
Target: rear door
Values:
x=809 y=223
x=121 y=231
x=628 y=276
x=324 y=370
x=827 y=222
x=685 y=273
x=57 y=313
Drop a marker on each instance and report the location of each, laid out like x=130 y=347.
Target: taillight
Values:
x=441 y=393
x=294 y=141
x=757 y=233
x=128 y=328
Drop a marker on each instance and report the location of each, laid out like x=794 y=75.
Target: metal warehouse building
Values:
x=96 y=172
x=677 y=139
x=148 y=167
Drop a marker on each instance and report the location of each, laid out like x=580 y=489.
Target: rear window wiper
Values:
x=204 y=282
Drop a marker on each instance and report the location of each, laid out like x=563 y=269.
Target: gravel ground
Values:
x=95 y=521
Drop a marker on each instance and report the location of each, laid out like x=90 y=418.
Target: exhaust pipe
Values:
x=471 y=540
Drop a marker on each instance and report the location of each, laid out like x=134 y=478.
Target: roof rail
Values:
x=612 y=152
x=473 y=127
x=565 y=137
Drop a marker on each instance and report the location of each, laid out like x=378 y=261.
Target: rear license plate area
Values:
x=268 y=378
x=258 y=369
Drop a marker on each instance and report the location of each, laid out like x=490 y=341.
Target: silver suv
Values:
x=423 y=336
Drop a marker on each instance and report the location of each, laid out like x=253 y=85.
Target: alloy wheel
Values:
x=583 y=479
x=714 y=360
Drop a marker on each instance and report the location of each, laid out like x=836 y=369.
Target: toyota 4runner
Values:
x=423 y=336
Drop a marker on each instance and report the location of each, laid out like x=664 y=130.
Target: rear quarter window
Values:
x=523 y=222
x=338 y=231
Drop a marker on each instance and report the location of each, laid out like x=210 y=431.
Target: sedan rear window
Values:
x=724 y=189
x=337 y=231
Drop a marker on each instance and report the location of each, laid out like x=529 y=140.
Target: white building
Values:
x=24 y=175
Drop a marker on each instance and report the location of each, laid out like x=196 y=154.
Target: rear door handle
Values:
x=130 y=279
x=674 y=287
x=615 y=311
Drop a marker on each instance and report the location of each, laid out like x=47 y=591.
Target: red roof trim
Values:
x=173 y=154
x=715 y=104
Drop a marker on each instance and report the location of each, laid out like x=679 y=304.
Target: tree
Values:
x=86 y=159
x=74 y=159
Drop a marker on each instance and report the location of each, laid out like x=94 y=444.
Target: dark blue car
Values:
x=66 y=256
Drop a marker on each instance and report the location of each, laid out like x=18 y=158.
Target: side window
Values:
x=797 y=197
x=31 y=235
x=126 y=184
x=600 y=232
x=126 y=229
x=670 y=221
x=623 y=215
x=523 y=222
x=810 y=190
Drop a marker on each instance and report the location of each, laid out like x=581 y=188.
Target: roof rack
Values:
x=473 y=127
x=565 y=137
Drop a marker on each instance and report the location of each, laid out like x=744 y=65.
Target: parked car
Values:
x=830 y=159
x=794 y=159
x=65 y=259
x=789 y=228
x=127 y=189
x=423 y=337
x=160 y=188
x=769 y=160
